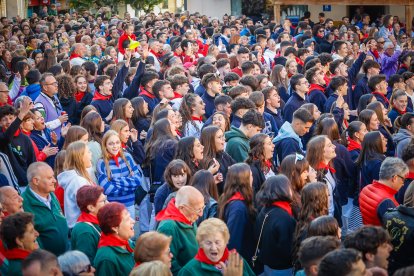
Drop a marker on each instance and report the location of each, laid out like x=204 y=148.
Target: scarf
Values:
x=16 y=254
x=115 y=158
x=123 y=145
x=177 y=95
x=201 y=257
x=73 y=55
x=146 y=93
x=17 y=133
x=401 y=112
x=382 y=96
x=325 y=167
x=26 y=132
x=157 y=55
x=284 y=205
x=346 y=123
x=299 y=61
x=375 y=53
x=86 y=217
x=268 y=164
x=112 y=240
x=79 y=96
x=200 y=119
x=171 y=212
x=178 y=132
x=353 y=145
x=99 y=97
x=315 y=86
x=409 y=175
x=236 y=196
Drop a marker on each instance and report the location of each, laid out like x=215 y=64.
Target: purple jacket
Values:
x=389 y=64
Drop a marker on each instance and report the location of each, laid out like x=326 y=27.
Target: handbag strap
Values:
x=254 y=258
x=91 y=225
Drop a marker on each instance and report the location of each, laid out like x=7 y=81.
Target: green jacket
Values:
x=237 y=144
x=195 y=267
x=15 y=267
x=50 y=223
x=85 y=238
x=113 y=261
x=183 y=245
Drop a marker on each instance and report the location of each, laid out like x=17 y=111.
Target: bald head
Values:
x=187 y=195
x=11 y=201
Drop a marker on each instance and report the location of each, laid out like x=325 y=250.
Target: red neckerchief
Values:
x=123 y=145
x=401 y=112
x=268 y=164
x=73 y=55
x=26 y=132
x=178 y=132
x=16 y=254
x=177 y=95
x=320 y=35
x=236 y=196
x=146 y=93
x=196 y=163
x=299 y=61
x=315 y=86
x=99 y=97
x=157 y=55
x=409 y=175
x=404 y=66
x=290 y=75
x=201 y=257
x=382 y=96
x=353 y=145
x=171 y=212
x=346 y=123
x=87 y=217
x=375 y=53
x=197 y=118
x=112 y=240
x=115 y=158
x=327 y=79
x=79 y=96
x=17 y=133
x=284 y=205
x=325 y=167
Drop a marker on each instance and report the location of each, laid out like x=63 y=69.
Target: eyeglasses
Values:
x=402 y=178
x=87 y=269
x=4 y=91
x=299 y=157
x=381 y=42
x=199 y=211
x=53 y=83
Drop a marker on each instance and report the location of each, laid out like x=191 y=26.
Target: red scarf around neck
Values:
x=73 y=55
x=112 y=240
x=115 y=158
x=171 y=212
x=315 y=86
x=177 y=95
x=146 y=93
x=401 y=112
x=323 y=166
x=409 y=175
x=26 y=132
x=87 y=217
x=236 y=196
x=353 y=145
x=79 y=96
x=99 y=97
x=202 y=257
x=382 y=96
x=16 y=254
x=284 y=205
x=375 y=54
x=194 y=118
x=157 y=55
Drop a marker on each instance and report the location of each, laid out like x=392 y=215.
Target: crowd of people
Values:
x=186 y=145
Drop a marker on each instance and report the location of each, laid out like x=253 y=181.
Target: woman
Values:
x=95 y=127
x=236 y=209
x=76 y=263
x=191 y=151
x=5 y=65
x=279 y=79
x=297 y=169
x=152 y=268
x=153 y=246
x=369 y=161
x=324 y=226
x=355 y=134
x=123 y=110
x=129 y=140
x=203 y=181
x=19 y=237
x=210 y=258
x=263 y=81
x=291 y=68
x=177 y=174
x=192 y=110
x=385 y=126
x=49 y=59
x=117 y=172
x=37 y=56
x=115 y=252
x=364 y=101
x=370 y=119
x=75 y=175
x=221 y=120
x=275 y=217
x=82 y=95
x=212 y=138
x=86 y=232
x=260 y=159
x=66 y=95
x=399 y=103
x=140 y=117
x=76 y=133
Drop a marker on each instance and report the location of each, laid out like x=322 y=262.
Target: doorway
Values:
x=373 y=11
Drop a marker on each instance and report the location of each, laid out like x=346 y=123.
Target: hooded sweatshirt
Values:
x=287 y=142
x=237 y=144
x=71 y=182
x=401 y=140
x=32 y=90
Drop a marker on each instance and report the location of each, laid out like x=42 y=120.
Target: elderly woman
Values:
x=114 y=256
x=212 y=237
x=86 y=232
x=19 y=236
x=152 y=246
x=75 y=263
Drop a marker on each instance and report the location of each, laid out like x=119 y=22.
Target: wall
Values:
x=211 y=8
x=14 y=8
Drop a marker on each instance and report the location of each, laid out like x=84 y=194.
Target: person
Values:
x=178 y=221
x=376 y=198
x=274 y=250
x=212 y=237
x=75 y=175
x=385 y=126
x=342 y=262
x=40 y=200
x=212 y=83
x=300 y=87
x=153 y=246
x=325 y=226
x=190 y=150
x=140 y=117
x=129 y=140
x=41 y=262
x=273 y=104
x=19 y=237
x=238 y=138
x=192 y=110
x=399 y=105
x=75 y=263
x=288 y=139
x=355 y=134
x=405 y=132
x=312 y=250
x=374 y=243
x=152 y=268
x=10 y=200
x=115 y=252
x=86 y=232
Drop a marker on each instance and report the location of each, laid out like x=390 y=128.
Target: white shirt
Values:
x=47 y=201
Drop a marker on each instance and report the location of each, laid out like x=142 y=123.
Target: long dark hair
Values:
x=185 y=152
x=328 y=127
x=275 y=188
x=364 y=101
x=92 y=123
x=371 y=148
x=203 y=181
x=207 y=139
x=257 y=150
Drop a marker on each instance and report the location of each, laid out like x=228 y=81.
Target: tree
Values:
x=252 y=7
x=143 y=5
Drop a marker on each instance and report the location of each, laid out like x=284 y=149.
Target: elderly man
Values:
x=178 y=221
x=11 y=200
x=79 y=51
x=376 y=198
x=41 y=262
x=40 y=200
x=4 y=94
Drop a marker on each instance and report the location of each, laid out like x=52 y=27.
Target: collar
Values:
x=326 y=167
x=146 y=93
x=171 y=212
x=401 y=112
x=46 y=201
x=384 y=186
x=16 y=254
x=353 y=145
x=284 y=205
x=115 y=158
x=99 y=97
x=79 y=96
x=236 y=196
x=194 y=118
x=381 y=95
x=26 y=132
x=112 y=240
x=315 y=86
x=201 y=257
x=87 y=217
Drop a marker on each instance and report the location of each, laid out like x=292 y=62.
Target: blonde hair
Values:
x=106 y=156
x=212 y=225
x=118 y=125
x=153 y=268
x=74 y=159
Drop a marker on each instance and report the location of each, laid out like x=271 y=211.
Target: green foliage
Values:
x=140 y=5
x=143 y=5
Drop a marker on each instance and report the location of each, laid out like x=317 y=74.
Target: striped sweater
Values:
x=122 y=184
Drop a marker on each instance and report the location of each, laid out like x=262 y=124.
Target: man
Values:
x=316 y=94
x=49 y=105
x=224 y=38
x=242 y=56
x=239 y=107
x=341 y=50
x=11 y=201
x=389 y=59
x=270 y=127
x=41 y=263
x=270 y=53
x=223 y=67
x=177 y=220
x=238 y=138
x=370 y=68
x=102 y=97
x=409 y=87
x=374 y=243
x=212 y=83
x=300 y=87
x=342 y=262
x=147 y=82
x=155 y=47
x=162 y=90
x=272 y=106
x=288 y=139
x=376 y=198
x=78 y=53
x=406 y=193
x=180 y=86
x=40 y=200
x=4 y=95
x=405 y=133
x=379 y=87
x=339 y=87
